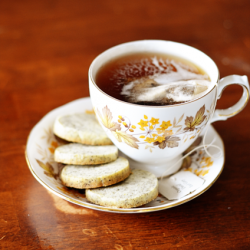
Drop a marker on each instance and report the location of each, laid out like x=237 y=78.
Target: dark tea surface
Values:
x=152 y=79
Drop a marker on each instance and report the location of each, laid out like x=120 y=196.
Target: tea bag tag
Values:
x=179 y=185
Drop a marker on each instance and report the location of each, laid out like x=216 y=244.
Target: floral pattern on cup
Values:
x=153 y=132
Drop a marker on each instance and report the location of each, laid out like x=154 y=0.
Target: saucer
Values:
x=40 y=159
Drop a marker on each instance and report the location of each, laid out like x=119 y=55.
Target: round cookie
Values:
x=79 y=154
x=138 y=189
x=83 y=128
x=81 y=177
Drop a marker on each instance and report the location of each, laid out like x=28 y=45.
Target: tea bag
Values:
x=181 y=72
x=179 y=83
x=145 y=91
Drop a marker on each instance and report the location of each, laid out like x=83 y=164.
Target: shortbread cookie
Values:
x=138 y=189
x=83 y=128
x=79 y=154
x=81 y=177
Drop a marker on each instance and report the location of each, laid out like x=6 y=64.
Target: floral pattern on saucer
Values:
x=40 y=158
x=198 y=164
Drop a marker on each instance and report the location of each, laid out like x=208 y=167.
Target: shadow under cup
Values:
x=154 y=137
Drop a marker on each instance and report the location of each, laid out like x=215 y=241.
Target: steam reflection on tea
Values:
x=152 y=79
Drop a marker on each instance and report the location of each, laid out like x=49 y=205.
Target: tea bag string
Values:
x=205 y=147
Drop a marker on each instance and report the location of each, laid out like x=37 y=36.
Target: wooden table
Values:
x=46 y=48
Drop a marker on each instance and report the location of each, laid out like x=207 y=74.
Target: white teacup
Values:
x=133 y=128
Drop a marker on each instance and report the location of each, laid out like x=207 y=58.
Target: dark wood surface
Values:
x=46 y=48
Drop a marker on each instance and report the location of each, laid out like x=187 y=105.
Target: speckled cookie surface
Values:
x=79 y=154
x=138 y=189
x=82 y=128
x=81 y=177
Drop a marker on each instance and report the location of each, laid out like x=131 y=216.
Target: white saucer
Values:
x=39 y=156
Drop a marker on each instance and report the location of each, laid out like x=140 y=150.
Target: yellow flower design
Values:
x=54 y=145
x=159 y=130
x=149 y=140
x=202 y=164
x=143 y=123
x=204 y=172
x=201 y=172
x=161 y=133
x=160 y=138
x=168 y=132
x=164 y=125
x=207 y=161
x=154 y=121
x=197 y=172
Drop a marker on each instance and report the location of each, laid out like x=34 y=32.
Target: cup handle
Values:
x=223 y=114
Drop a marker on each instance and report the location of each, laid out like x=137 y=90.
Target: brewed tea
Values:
x=152 y=79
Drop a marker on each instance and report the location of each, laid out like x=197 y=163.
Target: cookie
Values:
x=138 y=189
x=82 y=128
x=81 y=177
x=79 y=154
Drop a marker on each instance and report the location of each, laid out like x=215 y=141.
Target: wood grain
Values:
x=46 y=48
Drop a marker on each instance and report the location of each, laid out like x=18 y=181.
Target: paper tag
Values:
x=179 y=185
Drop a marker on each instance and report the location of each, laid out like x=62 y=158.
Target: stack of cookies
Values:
x=92 y=163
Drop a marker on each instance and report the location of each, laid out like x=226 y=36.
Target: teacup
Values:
x=133 y=128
